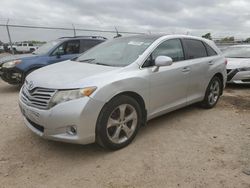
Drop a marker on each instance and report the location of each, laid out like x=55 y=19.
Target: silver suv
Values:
x=107 y=93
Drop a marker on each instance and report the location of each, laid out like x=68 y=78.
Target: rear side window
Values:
x=87 y=44
x=210 y=50
x=194 y=49
x=72 y=47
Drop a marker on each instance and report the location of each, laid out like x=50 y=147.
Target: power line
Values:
x=68 y=29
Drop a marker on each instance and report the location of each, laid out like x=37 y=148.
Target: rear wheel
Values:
x=213 y=93
x=118 y=122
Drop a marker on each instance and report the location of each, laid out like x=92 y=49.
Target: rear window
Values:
x=194 y=49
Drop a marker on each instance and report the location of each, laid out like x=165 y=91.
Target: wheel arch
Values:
x=138 y=98
x=220 y=76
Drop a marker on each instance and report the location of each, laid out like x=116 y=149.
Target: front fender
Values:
x=31 y=63
x=139 y=86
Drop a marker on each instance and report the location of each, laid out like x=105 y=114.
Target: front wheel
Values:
x=213 y=93
x=118 y=122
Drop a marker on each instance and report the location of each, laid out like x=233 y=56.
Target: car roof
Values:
x=156 y=36
x=83 y=37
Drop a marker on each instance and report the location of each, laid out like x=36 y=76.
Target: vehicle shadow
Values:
x=238 y=86
x=95 y=150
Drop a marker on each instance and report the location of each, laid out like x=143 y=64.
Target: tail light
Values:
x=225 y=62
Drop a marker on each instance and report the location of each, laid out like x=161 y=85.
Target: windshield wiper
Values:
x=86 y=60
x=102 y=64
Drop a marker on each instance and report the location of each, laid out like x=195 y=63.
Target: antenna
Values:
x=117 y=34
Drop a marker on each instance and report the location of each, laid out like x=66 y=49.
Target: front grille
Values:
x=37 y=97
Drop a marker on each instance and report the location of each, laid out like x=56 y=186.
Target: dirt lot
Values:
x=191 y=147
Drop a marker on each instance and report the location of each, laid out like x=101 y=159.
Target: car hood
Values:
x=14 y=57
x=235 y=63
x=70 y=74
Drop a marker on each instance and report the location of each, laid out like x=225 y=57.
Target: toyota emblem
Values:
x=30 y=85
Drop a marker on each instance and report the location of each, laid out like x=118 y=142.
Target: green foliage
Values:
x=207 y=36
x=247 y=40
x=228 y=39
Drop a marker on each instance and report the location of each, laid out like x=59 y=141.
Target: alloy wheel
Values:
x=122 y=123
x=214 y=92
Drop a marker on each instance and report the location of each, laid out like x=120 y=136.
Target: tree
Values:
x=247 y=40
x=207 y=36
x=228 y=39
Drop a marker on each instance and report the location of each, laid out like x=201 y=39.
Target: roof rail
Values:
x=92 y=37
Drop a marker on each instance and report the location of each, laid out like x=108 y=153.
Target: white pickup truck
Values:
x=23 y=47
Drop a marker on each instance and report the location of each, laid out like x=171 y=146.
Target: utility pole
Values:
x=74 y=29
x=8 y=31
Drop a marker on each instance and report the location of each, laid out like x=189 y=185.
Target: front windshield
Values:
x=237 y=52
x=44 y=49
x=118 y=52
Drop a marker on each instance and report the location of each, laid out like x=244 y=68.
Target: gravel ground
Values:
x=190 y=147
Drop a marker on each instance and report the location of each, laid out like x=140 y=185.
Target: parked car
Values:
x=14 y=69
x=25 y=47
x=238 y=66
x=108 y=92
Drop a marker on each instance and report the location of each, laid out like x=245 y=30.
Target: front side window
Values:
x=171 y=48
x=67 y=48
x=194 y=49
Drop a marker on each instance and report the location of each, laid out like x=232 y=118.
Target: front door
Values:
x=168 y=85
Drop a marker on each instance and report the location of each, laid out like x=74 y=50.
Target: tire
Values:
x=114 y=129
x=213 y=93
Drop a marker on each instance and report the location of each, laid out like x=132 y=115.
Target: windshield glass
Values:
x=118 y=52
x=44 y=49
x=237 y=52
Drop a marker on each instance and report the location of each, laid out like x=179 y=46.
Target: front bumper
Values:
x=11 y=75
x=53 y=124
x=238 y=77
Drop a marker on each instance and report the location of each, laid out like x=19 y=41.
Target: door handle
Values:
x=186 y=69
x=211 y=62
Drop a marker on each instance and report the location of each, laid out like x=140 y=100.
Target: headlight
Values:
x=11 y=64
x=244 y=69
x=67 y=95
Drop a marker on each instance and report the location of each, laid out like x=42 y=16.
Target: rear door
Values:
x=198 y=61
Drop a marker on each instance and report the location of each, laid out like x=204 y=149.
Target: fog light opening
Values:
x=72 y=130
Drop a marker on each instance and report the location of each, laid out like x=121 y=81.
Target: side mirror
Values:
x=161 y=61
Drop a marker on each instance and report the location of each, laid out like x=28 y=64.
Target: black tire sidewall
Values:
x=101 y=132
